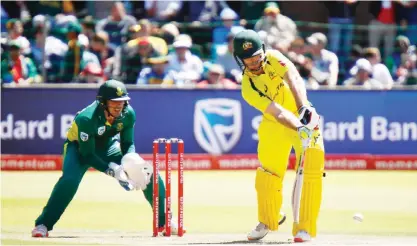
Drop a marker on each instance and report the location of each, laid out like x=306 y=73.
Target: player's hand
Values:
x=305 y=135
x=117 y=172
x=309 y=117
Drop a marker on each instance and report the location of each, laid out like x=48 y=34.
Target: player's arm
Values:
x=308 y=114
x=264 y=104
x=283 y=116
x=127 y=135
x=295 y=82
x=87 y=145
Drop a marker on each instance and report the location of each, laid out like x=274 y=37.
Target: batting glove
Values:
x=309 y=117
x=116 y=171
x=305 y=135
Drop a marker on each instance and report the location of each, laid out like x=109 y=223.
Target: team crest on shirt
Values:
x=119 y=92
x=101 y=130
x=272 y=75
x=84 y=136
x=119 y=127
x=247 y=45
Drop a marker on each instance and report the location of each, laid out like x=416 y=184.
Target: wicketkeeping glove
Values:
x=117 y=172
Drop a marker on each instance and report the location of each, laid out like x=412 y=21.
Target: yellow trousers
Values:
x=274 y=148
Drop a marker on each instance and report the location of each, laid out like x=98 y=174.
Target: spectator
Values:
x=138 y=60
x=205 y=11
x=402 y=43
x=47 y=53
x=16 y=68
x=92 y=74
x=88 y=27
x=163 y=10
x=135 y=54
x=407 y=72
x=380 y=72
x=355 y=54
x=383 y=25
x=60 y=25
x=116 y=24
x=169 y=32
x=361 y=76
x=225 y=58
x=410 y=20
x=187 y=67
x=122 y=52
x=15 y=30
x=87 y=57
x=74 y=60
x=105 y=54
x=325 y=69
x=99 y=47
x=157 y=74
x=228 y=17
x=216 y=78
x=280 y=29
x=296 y=55
x=341 y=15
x=145 y=29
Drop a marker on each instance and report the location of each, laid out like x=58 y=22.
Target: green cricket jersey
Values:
x=94 y=134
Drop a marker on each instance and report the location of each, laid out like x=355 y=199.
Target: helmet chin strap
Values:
x=108 y=112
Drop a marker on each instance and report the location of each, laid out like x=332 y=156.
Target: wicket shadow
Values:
x=246 y=242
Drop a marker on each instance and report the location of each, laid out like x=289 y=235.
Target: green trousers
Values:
x=72 y=174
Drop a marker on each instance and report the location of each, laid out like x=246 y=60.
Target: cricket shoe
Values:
x=302 y=236
x=174 y=228
x=40 y=231
x=262 y=230
x=259 y=232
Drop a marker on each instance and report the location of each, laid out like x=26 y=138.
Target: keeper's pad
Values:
x=311 y=193
x=269 y=193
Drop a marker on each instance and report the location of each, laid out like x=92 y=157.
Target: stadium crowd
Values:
x=180 y=42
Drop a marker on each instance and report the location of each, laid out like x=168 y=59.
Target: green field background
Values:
x=216 y=202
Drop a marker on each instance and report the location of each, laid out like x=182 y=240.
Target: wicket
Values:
x=168 y=168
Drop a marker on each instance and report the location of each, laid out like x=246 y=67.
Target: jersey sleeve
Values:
x=127 y=135
x=253 y=96
x=87 y=144
x=280 y=62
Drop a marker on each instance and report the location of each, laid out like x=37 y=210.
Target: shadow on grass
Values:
x=247 y=242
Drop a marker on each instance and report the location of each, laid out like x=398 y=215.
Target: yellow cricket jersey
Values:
x=260 y=90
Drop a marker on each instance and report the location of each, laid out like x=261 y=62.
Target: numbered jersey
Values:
x=260 y=90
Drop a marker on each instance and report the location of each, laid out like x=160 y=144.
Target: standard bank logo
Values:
x=217 y=124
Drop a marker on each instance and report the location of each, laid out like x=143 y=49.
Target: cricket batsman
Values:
x=100 y=135
x=272 y=85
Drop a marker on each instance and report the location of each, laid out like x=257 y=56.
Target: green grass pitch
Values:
x=218 y=205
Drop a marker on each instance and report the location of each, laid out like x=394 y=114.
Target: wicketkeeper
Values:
x=272 y=85
x=100 y=135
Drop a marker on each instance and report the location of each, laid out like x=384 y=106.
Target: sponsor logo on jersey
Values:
x=84 y=136
x=101 y=130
